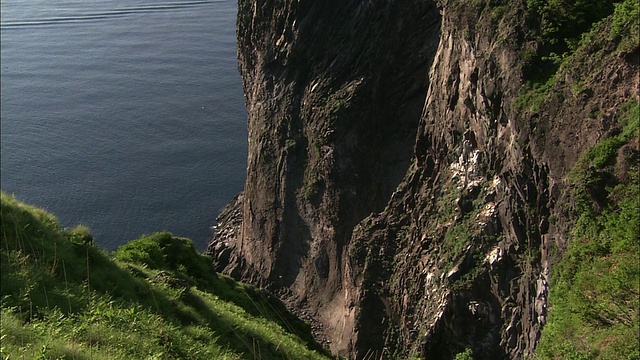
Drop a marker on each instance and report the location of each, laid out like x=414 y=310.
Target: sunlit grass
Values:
x=155 y=297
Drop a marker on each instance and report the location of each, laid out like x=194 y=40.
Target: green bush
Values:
x=162 y=250
x=625 y=24
x=465 y=355
x=604 y=152
x=562 y=22
x=81 y=234
x=559 y=26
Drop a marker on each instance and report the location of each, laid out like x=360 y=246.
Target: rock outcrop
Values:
x=401 y=194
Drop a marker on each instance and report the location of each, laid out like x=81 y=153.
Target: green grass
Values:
x=155 y=297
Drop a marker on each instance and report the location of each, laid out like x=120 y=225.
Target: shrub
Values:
x=465 y=355
x=81 y=234
x=625 y=24
x=163 y=251
x=562 y=22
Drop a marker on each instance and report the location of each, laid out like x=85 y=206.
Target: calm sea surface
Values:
x=123 y=115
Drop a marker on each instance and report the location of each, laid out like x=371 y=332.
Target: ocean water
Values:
x=123 y=115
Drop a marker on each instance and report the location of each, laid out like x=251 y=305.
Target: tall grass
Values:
x=154 y=298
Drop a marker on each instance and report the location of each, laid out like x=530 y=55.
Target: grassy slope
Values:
x=155 y=297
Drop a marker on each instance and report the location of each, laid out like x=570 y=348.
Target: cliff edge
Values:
x=407 y=186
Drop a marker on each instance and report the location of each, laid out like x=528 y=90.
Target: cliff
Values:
x=407 y=186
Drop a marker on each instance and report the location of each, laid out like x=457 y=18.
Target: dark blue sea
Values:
x=123 y=115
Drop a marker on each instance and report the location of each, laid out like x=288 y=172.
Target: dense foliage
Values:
x=626 y=24
x=156 y=297
x=558 y=25
x=562 y=22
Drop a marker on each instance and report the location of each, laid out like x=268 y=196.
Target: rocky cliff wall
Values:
x=334 y=93
x=400 y=184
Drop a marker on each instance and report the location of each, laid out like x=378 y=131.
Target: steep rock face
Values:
x=400 y=193
x=461 y=256
x=452 y=262
x=334 y=93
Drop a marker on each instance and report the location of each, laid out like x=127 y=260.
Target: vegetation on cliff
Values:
x=595 y=291
x=594 y=286
x=155 y=297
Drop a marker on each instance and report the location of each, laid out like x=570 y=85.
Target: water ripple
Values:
x=120 y=12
